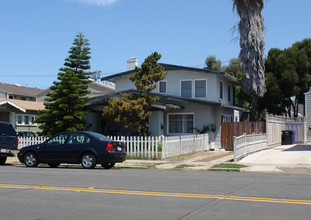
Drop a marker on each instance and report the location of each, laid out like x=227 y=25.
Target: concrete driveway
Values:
x=285 y=158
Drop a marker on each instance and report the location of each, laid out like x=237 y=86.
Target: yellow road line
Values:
x=164 y=194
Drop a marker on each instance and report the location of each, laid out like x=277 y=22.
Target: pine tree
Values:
x=64 y=105
x=132 y=110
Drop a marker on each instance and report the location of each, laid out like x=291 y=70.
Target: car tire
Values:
x=2 y=160
x=88 y=161
x=53 y=165
x=31 y=159
x=107 y=165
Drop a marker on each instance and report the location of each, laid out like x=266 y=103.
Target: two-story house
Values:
x=19 y=106
x=190 y=99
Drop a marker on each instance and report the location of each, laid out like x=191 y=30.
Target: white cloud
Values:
x=97 y=2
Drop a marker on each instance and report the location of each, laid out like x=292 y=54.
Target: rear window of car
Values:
x=7 y=129
x=101 y=137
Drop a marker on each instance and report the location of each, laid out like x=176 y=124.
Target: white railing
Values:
x=141 y=147
x=178 y=145
x=276 y=124
x=26 y=141
x=248 y=144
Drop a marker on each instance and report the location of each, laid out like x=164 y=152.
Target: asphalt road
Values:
x=73 y=193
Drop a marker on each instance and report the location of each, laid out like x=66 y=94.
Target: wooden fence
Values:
x=231 y=129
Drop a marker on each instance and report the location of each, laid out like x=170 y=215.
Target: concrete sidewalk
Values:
x=295 y=159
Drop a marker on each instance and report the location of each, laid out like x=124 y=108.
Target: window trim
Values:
x=165 y=87
x=205 y=88
x=186 y=80
x=183 y=113
x=221 y=89
x=30 y=116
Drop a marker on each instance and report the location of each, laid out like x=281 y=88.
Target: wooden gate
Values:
x=230 y=129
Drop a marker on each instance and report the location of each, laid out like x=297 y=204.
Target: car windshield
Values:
x=100 y=137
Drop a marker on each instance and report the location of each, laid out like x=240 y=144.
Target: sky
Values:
x=36 y=35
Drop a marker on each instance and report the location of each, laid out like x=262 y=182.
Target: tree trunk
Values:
x=254 y=113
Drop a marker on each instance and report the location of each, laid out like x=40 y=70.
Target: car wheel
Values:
x=107 y=165
x=88 y=161
x=53 y=165
x=2 y=160
x=31 y=160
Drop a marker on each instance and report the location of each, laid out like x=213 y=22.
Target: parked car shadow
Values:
x=300 y=147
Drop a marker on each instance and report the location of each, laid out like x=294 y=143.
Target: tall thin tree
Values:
x=64 y=105
x=252 y=43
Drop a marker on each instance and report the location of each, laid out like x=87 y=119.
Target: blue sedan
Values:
x=85 y=147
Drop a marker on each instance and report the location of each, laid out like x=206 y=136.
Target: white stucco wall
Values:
x=156 y=121
x=173 y=85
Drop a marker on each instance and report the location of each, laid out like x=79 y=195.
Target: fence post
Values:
x=244 y=144
x=163 y=141
x=234 y=149
x=156 y=146
x=180 y=144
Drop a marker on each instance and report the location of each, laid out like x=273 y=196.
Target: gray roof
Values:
x=168 y=67
x=19 y=90
x=164 y=99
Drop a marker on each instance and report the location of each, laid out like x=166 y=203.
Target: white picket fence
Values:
x=247 y=144
x=178 y=145
x=148 y=147
x=141 y=147
x=26 y=141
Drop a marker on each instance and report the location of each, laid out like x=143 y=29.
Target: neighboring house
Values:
x=190 y=98
x=19 y=106
x=308 y=114
x=95 y=88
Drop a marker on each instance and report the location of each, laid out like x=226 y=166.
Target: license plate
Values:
x=5 y=151
x=119 y=148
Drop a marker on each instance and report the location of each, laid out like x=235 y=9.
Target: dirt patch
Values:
x=214 y=155
x=202 y=156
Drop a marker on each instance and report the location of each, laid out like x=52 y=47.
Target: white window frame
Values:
x=205 y=88
x=184 y=113
x=186 y=80
x=165 y=87
x=228 y=118
x=221 y=90
x=23 y=119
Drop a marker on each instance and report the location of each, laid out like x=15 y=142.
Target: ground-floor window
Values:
x=226 y=118
x=25 y=119
x=180 y=123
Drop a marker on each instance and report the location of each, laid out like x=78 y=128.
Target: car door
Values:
x=76 y=142
x=54 y=147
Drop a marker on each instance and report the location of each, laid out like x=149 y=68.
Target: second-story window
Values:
x=162 y=87
x=186 y=88
x=200 y=88
x=229 y=93
x=221 y=90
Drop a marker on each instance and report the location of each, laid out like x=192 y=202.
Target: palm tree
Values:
x=252 y=43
